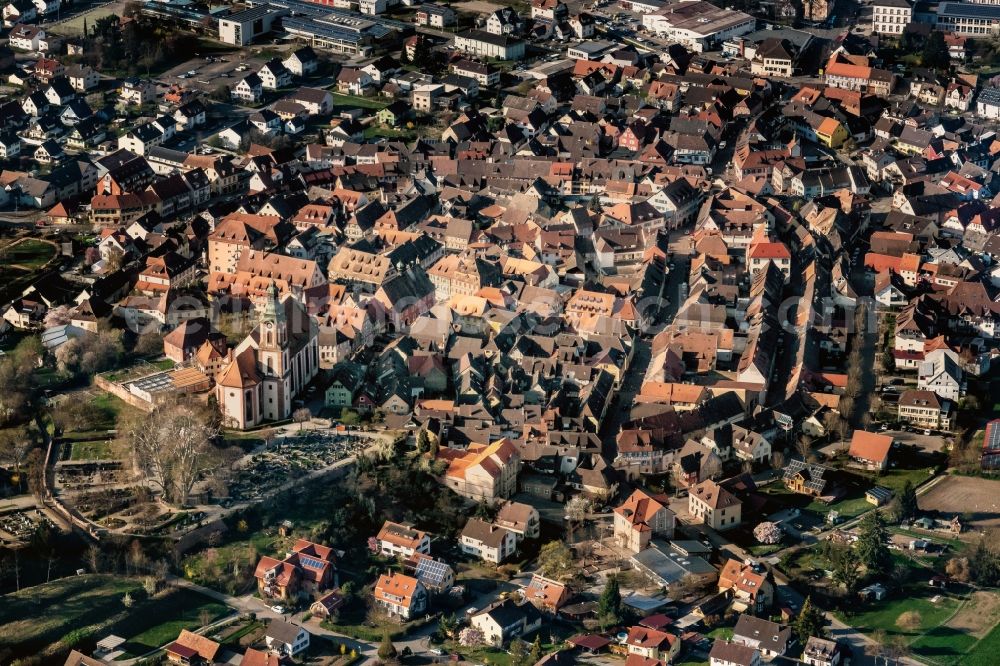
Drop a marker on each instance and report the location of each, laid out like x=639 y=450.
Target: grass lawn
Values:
x=985 y=652
x=377 y=132
x=883 y=614
x=29 y=253
x=721 y=633
x=943 y=645
x=110 y=407
x=36 y=619
x=160 y=620
x=354 y=101
x=895 y=479
x=97 y=450
x=50 y=618
x=482 y=655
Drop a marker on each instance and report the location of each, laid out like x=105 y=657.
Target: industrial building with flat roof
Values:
x=698 y=25
x=969 y=20
x=242 y=28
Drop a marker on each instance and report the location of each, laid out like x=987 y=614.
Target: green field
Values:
x=51 y=618
x=986 y=652
x=97 y=450
x=883 y=614
x=180 y=609
x=39 y=617
x=28 y=252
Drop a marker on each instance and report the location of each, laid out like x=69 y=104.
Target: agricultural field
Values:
x=955 y=494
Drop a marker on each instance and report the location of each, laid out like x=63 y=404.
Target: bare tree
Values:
x=576 y=513
x=301 y=415
x=58 y=316
x=173 y=446
x=804 y=448
x=777 y=460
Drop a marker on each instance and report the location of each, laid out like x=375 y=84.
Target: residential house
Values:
x=192 y=648
x=27 y=37
x=748 y=585
x=309 y=568
x=137 y=92
x=316 y=101
x=806 y=478
x=274 y=75
x=285 y=638
x=83 y=78
x=482 y=473
x=772 y=639
x=401 y=596
x=652 y=644
x=521 y=519
x=821 y=651
x=486 y=541
x=870 y=449
x=402 y=541
x=941 y=372
x=302 y=61
x=726 y=653
x=639 y=519
x=926 y=409
x=434 y=15
x=547 y=595
x=249 y=89
x=714 y=506
x=506 y=620
x=436 y=575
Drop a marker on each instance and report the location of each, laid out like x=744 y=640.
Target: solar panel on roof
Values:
x=431 y=571
x=310 y=562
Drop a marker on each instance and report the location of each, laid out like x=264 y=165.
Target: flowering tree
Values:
x=767 y=532
x=471 y=637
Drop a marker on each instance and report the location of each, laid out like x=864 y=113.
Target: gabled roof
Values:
x=870 y=446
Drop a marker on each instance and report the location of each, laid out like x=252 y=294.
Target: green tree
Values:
x=810 y=621
x=423 y=442
x=555 y=560
x=935 y=54
x=984 y=565
x=536 y=651
x=847 y=572
x=609 y=606
x=519 y=653
x=871 y=546
x=908 y=501
x=386 y=650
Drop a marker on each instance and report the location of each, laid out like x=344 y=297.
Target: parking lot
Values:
x=210 y=74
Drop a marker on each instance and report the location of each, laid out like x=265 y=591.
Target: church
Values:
x=271 y=366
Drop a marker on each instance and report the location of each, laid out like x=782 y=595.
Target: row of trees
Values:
x=140 y=46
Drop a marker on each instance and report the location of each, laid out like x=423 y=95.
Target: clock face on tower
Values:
x=269 y=325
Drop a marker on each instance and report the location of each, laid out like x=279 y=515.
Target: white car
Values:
x=279 y=609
